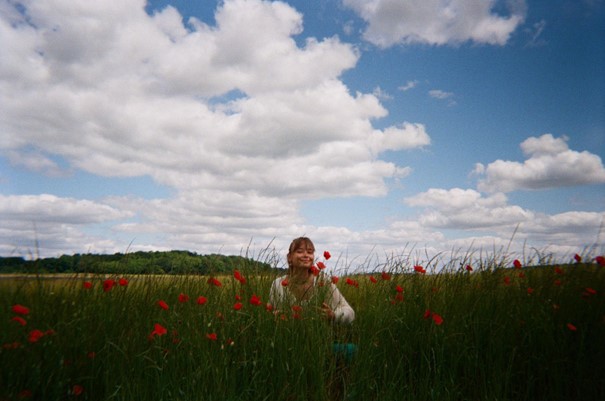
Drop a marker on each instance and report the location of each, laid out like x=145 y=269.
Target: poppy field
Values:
x=471 y=331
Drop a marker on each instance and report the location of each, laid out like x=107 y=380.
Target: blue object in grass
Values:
x=347 y=351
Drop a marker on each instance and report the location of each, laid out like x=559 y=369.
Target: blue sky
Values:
x=372 y=126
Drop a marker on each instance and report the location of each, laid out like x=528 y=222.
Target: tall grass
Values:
x=534 y=333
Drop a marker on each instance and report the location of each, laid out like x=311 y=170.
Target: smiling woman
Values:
x=303 y=286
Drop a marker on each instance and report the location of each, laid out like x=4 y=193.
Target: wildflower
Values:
x=506 y=280
x=269 y=307
x=385 y=276
x=399 y=288
x=183 y=298
x=255 y=300
x=517 y=264
x=20 y=309
x=600 y=260
x=521 y=275
x=158 y=330
x=201 y=300
x=237 y=306
x=373 y=279
x=238 y=297
x=437 y=319
x=530 y=290
x=557 y=282
x=211 y=336
x=352 y=282
x=558 y=270
x=87 y=285
x=321 y=265
x=399 y=297
x=297 y=308
x=314 y=270
x=77 y=390
x=427 y=314
x=19 y=320
x=238 y=276
x=27 y=393
x=35 y=336
x=162 y=304
x=91 y=355
x=284 y=282
x=578 y=258
x=327 y=255
x=571 y=327
x=108 y=285
x=591 y=291
x=469 y=268
x=419 y=269
x=213 y=281
x=334 y=279
x=123 y=282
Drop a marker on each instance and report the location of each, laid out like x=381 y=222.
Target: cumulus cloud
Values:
x=550 y=164
x=437 y=22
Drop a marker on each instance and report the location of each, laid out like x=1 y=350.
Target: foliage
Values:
x=508 y=333
x=172 y=262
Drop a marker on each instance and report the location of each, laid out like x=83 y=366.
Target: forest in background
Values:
x=165 y=262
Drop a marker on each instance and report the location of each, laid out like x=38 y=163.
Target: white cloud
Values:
x=550 y=164
x=436 y=22
x=408 y=85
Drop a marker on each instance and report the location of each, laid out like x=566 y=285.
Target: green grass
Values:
x=498 y=340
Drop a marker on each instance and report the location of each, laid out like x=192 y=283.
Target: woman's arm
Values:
x=343 y=312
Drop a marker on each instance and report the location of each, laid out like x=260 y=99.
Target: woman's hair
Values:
x=299 y=243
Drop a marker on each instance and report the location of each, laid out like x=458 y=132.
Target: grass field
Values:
x=465 y=333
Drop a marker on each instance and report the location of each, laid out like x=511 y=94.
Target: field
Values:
x=465 y=333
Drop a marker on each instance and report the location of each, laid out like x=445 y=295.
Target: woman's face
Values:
x=302 y=258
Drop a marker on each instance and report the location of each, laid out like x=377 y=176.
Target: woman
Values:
x=301 y=287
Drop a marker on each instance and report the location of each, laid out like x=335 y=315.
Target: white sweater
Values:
x=343 y=313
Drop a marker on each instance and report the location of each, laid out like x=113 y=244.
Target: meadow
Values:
x=486 y=330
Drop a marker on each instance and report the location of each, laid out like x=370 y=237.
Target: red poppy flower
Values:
x=506 y=280
x=419 y=269
x=183 y=298
x=87 y=285
x=122 y=282
x=314 y=270
x=91 y=355
x=600 y=260
x=297 y=308
x=211 y=336
x=469 y=268
x=284 y=282
x=255 y=300
x=385 y=276
x=20 y=309
x=591 y=291
x=399 y=297
x=158 y=330
x=162 y=304
x=399 y=288
x=427 y=314
x=327 y=255
x=571 y=327
x=557 y=282
x=335 y=279
x=201 y=300
x=437 y=319
x=558 y=270
x=19 y=320
x=237 y=306
x=35 y=336
x=373 y=279
x=351 y=282
x=321 y=265
x=517 y=264
x=108 y=284
x=577 y=257
x=530 y=290
x=238 y=276
x=213 y=281
x=521 y=275
x=77 y=390
x=269 y=307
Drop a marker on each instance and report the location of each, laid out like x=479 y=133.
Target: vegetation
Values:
x=172 y=262
x=468 y=332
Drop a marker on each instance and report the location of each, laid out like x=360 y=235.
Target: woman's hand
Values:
x=327 y=311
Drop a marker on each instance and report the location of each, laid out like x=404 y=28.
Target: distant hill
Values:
x=170 y=262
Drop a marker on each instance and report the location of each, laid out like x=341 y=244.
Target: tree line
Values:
x=154 y=262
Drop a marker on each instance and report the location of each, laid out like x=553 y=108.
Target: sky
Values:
x=419 y=129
